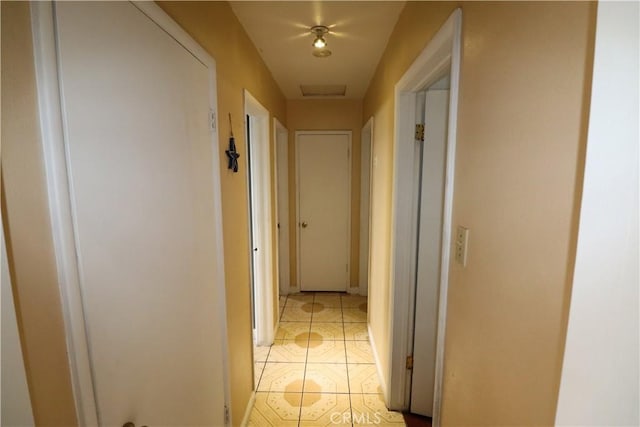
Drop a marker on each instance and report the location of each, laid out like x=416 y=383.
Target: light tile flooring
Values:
x=320 y=370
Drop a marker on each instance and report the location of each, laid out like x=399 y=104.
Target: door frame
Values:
x=281 y=135
x=59 y=197
x=298 y=133
x=441 y=54
x=261 y=216
x=365 y=210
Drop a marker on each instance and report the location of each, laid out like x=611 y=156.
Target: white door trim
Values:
x=441 y=54
x=323 y=132
x=365 y=211
x=279 y=131
x=262 y=218
x=59 y=195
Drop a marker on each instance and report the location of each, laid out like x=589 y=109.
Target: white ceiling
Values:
x=359 y=31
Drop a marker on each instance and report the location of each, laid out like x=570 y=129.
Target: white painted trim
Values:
x=278 y=130
x=381 y=378
x=249 y=408
x=262 y=218
x=441 y=54
x=363 y=282
x=59 y=198
x=55 y=163
x=349 y=133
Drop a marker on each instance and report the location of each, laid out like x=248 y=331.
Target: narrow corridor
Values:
x=320 y=370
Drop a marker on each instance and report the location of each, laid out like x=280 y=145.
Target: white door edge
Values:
x=441 y=54
x=59 y=197
x=263 y=231
x=324 y=132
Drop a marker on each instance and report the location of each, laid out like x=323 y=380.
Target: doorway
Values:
x=440 y=58
x=261 y=224
x=281 y=150
x=432 y=113
x=366 y=160
x=324 y=209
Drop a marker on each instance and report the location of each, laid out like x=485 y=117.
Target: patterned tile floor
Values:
x=320 y=370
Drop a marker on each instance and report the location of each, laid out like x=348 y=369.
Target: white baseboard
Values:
x=247 y=412
x=381 y=378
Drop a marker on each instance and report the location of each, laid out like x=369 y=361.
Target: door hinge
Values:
x=420 y=132
x=212 y=120
x=227 y=415
x=409 y=362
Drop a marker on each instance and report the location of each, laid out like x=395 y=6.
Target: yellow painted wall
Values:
x=325 y=114
x=526 y=70
x=27 y=228
x=239 y=67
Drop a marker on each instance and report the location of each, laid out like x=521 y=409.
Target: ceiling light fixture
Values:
x=319 y=31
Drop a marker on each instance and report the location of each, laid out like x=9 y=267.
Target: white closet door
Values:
x=139 y=153
x=324 y=183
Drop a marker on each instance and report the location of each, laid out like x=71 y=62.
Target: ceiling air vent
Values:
x=323 y=90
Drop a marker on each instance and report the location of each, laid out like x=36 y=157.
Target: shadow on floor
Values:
x=413 y=420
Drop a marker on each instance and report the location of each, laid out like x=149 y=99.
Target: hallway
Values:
x=320 y=370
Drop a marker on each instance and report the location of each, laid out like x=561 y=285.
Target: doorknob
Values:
x=304 y=225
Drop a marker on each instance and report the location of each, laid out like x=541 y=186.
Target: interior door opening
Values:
x=432 y=109
x=440 y=57
x=260 y=220
x=252 y=238
x=281 y=150
x=366 y=167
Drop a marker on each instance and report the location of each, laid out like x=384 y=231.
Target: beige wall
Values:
x=521 y=137
x=325 y=114
x=27 y=228
x=239 y=67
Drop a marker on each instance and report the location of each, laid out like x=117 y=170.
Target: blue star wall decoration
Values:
x=232 y=154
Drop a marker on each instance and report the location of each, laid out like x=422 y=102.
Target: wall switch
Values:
x=461 y=244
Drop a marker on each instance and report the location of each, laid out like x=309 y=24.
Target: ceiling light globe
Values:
x=319 y=43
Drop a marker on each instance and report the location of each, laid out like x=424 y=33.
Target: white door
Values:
x=429 y=250
x=324 y=182
x=140 y=171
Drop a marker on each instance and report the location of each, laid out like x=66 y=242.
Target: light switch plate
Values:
x=461 y=245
